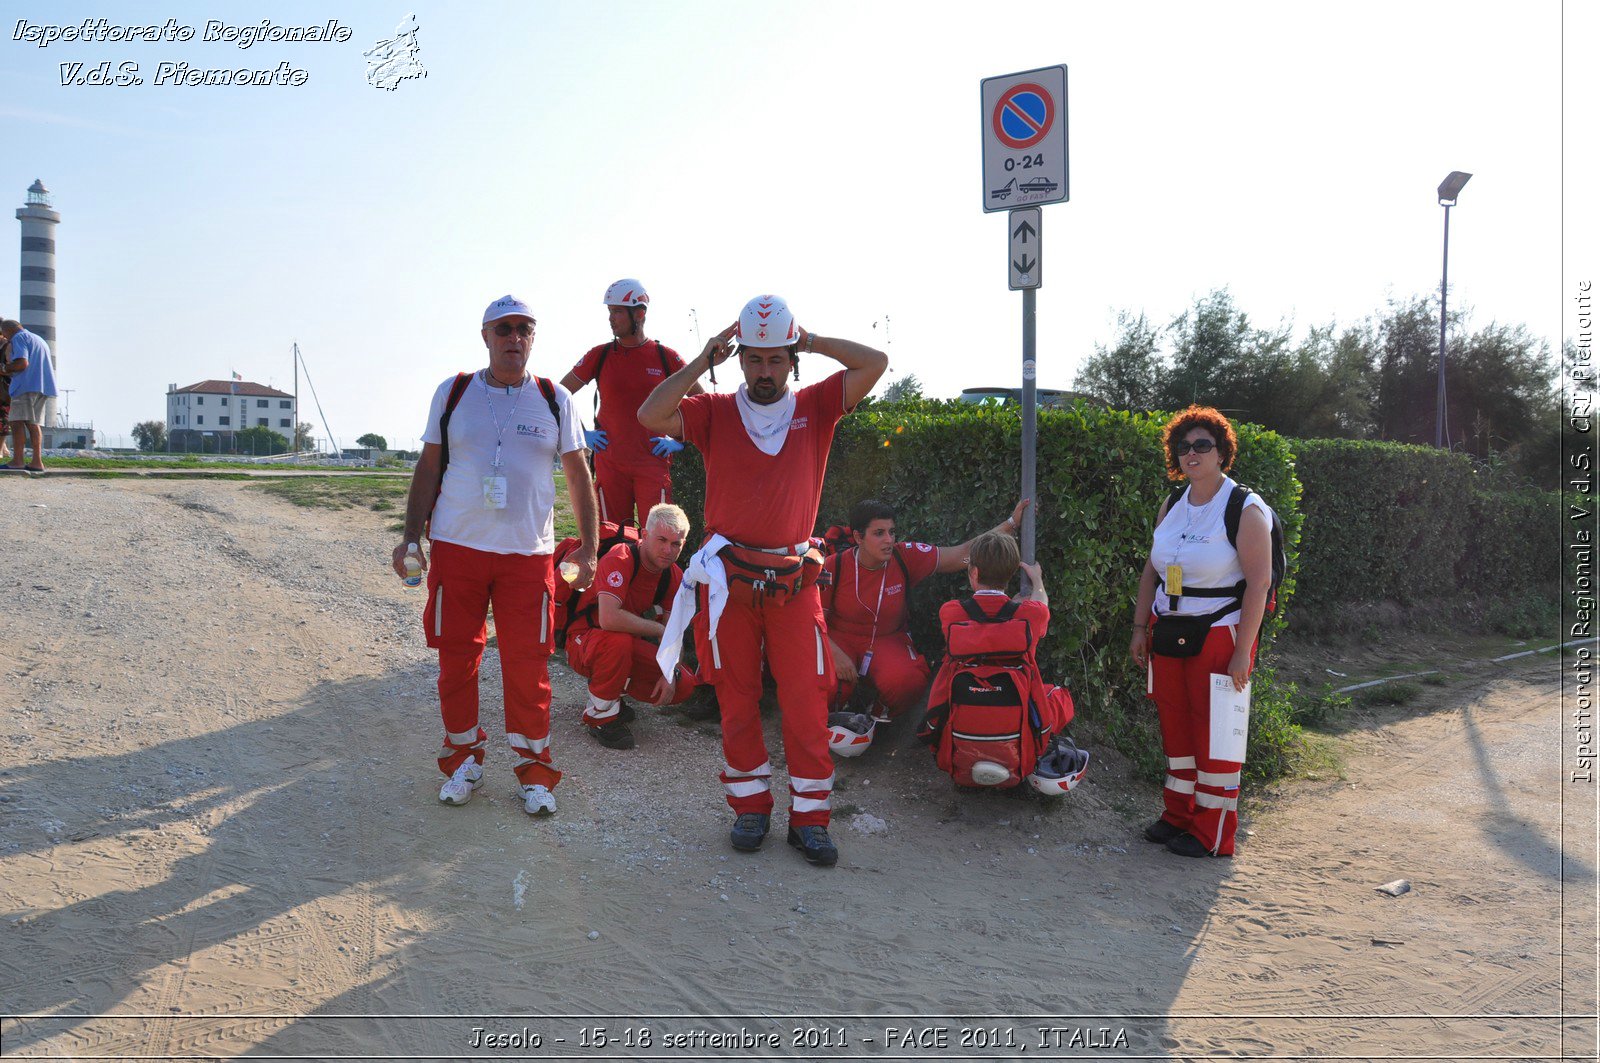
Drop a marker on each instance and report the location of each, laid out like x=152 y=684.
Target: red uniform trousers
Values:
x=617 y=663
x=795 y=649
x=619 y=488
x=899 y=672
x=461 y=584
x=1201 y=794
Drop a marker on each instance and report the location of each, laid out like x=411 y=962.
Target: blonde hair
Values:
x=996 y=557
x=672 y=516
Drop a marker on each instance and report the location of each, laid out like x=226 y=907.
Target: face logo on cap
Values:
x=614 y=579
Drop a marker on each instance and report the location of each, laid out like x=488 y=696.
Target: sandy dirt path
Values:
x=219 y=837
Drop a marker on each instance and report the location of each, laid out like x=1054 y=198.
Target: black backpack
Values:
x=1230 y=523
x=458 y=389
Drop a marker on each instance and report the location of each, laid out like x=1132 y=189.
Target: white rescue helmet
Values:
x=850 y=733
x=627 y=292
x=1061 y=768
x=766 y=321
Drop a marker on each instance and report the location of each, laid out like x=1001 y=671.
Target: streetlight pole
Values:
x=1449 y=192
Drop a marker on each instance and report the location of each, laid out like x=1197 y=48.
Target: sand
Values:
x=220 y=836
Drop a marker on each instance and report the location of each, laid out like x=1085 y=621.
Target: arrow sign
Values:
x=1022 y=262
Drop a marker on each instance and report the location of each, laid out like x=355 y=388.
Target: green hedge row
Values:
x=1409 y=524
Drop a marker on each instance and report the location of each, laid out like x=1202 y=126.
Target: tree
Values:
x=150 y=435
x=1128 y=374
x=906 y=389
x=258 y=439
x=374 y=441
x=302 y=436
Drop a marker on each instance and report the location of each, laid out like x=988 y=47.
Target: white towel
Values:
x=768 y=425
x=704 y=567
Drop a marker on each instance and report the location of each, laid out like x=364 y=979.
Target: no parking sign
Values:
x=1025 y=138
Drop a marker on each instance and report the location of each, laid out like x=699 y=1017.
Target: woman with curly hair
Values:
x=1201 y=599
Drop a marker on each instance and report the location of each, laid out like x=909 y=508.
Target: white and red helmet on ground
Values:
x=850 y=733
x=767 y=321
x=1059 y=768
x=627 y=292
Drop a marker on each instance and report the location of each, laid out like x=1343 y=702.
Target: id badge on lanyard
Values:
x=494 y=492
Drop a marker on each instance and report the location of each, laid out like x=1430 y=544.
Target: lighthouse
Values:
x=37 y=310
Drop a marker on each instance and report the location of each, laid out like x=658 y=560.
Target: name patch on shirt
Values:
x=798 y=423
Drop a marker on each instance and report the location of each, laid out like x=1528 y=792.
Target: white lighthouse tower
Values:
x=37 y=310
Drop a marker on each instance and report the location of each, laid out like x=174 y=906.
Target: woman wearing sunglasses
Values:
x=1201 y=599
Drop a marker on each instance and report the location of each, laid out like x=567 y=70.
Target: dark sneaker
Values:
x=815 y=845
x=749 y=831
x=625 y=711
x=614 y=735
x=1161 y=832
x=1187 y=844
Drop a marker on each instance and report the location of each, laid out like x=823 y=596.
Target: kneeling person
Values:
x=992 y=720
x=864 y=604
x=614 y=632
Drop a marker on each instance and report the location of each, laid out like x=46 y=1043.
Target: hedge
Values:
x=1372 y=522
x=1410 y=524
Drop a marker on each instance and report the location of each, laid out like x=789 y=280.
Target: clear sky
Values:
x=825 y=151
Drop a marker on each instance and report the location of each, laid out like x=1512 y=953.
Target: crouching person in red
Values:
x=869 y=635
x=752 y=586
x=616 y=628
x=992 y=720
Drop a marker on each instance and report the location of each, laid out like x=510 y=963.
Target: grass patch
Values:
x=377 y=493
x=178 y=462
x=1391 y=694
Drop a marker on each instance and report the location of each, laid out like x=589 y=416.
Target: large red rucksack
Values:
x=570 y=606
x=984 y=720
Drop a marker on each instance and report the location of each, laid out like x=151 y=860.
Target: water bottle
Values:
x=413 y=563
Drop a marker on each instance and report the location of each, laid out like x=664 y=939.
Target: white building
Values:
x=222 y=407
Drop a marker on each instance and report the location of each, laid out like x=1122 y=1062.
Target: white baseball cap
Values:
x=506 y=306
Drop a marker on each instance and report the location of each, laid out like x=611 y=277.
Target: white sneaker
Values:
x=538 y=801
x=457 y=790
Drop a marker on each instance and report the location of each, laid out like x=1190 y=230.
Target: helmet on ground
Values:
x=766 y=321
x=627 y=292
x=1060 y=768
x=850 y=733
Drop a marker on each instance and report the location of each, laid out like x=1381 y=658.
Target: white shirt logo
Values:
x=614 y=579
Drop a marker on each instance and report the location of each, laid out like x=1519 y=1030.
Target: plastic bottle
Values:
x=569 y=570
x=413 y=563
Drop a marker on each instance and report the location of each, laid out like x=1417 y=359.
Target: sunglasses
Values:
x=1199 y=446
x=523 y=330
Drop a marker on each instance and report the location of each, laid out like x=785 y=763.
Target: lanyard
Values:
x=875 y=609
x=499 y=429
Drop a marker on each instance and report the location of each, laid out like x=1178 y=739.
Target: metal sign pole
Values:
x=1029 y=419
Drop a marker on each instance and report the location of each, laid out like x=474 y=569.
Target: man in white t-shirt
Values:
x=484 y=492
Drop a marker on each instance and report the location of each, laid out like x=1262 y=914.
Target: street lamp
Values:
x=1449 y=191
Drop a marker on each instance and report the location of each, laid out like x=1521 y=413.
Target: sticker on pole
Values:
x=1025 y=138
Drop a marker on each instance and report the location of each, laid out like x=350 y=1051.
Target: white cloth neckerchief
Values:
x=768 y=425
x=704 y=567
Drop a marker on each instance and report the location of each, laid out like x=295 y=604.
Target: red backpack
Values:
x=984 y=721
x=570 y=606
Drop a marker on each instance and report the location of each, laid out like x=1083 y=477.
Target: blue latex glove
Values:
x=665 y=446
x=595 y=440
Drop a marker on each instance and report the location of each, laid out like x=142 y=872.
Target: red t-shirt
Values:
x=1037 y=614
x=636 y=590
x=627 y=378
x=857 y=593
x=759 y=499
